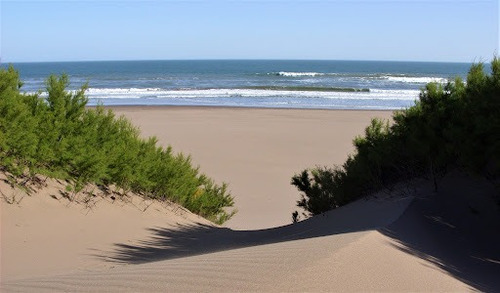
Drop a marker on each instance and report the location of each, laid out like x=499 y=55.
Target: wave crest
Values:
x=368 y=77
x=416 y=79
x=297 y=74
x=155 y=93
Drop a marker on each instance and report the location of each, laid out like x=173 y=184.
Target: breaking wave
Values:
x=297 y=74
x=415 y=79
x=368 y=77
x=277 y=92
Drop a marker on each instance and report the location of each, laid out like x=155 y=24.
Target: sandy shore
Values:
x=256 y=151
x=391 y=242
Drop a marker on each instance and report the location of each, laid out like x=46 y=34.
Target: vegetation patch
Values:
x=58 y=137
x=452 y=126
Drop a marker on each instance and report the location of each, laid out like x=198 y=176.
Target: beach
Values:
x=256 y=151
x=138 y=245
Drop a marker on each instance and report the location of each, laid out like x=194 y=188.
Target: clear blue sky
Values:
x=425 y=30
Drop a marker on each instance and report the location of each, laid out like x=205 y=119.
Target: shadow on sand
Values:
x=450 y=229
x=198 y=239
x=457 y=229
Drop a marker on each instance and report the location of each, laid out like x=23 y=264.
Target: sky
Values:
x=405 y=30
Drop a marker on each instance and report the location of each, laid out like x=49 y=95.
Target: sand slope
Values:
x=46 y=234
x=456 y=229
x=403 y=241
x=339 y=251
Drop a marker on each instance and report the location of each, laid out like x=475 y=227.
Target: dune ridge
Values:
x=194 y=257
x=342 y=250
x=401 y=239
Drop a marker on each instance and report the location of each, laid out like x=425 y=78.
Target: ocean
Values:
x=248 y=83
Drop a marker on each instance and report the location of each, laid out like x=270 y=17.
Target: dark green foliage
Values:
x=58 y=136
x=322 y=189
x=451 y=126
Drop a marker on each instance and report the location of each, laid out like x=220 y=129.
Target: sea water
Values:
x=247 y=83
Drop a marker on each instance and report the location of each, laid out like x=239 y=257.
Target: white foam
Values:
x=395 y=94
x=156 y=93
x=95 y=91
x=297 y=74
x=392 y=78
x=414 y=79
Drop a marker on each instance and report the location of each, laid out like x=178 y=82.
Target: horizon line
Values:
x=237 y=59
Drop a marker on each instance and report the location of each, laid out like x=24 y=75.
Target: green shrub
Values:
x=451 y=126
x=18 y=139
x=58 y=136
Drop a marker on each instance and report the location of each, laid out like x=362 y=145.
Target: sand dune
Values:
x=339 y=251
x=404 y=240
x=47 y=234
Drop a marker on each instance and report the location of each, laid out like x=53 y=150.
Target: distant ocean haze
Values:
x=248 y=83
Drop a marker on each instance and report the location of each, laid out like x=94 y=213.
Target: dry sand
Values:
x=257 y=151
x=53 y=245
x=46 y=234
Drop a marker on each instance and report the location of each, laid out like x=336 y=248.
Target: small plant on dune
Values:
x=452 y=126
x=295 y=217
x=59 y=137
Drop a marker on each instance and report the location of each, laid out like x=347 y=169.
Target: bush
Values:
x=59 y=137
x=451 y=126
